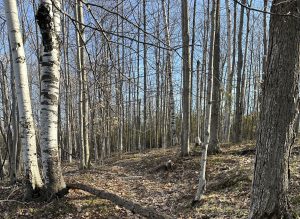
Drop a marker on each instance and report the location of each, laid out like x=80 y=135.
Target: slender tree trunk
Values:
x=169 y=73
x=157 y=62
x=228 y=94
x=204 y=71
x=50 y=62
x=145 y=74
x=192 y=64
x=186 y=93
x=85 y=104
x=67 y=89
x=80 y=103
x=202 y=178
x=215 y=109
x=15 y=130
x=83 y=88
x=119 y=85
x=265 y=42
x=244 y=74
x=238 y=101
x=210 y=77
x=33 y=179
x=198 y=104
x=139 y=129
x=279 y=109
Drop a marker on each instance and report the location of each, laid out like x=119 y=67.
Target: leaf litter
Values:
x=229 y=177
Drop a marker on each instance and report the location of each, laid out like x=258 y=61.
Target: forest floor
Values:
x=132 y=176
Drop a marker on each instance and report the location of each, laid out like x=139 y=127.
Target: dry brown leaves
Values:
x=170 y=192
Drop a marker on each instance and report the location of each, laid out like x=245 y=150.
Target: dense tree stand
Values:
x=279 y=108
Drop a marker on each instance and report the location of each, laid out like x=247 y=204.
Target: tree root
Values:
x=132 y=206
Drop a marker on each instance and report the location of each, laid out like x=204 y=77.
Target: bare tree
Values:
x=238 y=99
x=186 y=93
x=215 y=109
x=145 y=73
x=48 y=19
x=228 y=94
x=279 y=109
x=33 y=179
x=170 y=75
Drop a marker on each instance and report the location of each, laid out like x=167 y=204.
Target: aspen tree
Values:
x=33 y=181
x=48 y=19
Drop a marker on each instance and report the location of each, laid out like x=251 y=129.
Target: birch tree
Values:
x=33 y=180
x=48 y=19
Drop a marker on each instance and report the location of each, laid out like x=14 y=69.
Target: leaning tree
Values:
x=33 y=180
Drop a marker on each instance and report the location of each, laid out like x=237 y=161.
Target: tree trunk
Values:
x=278 y=113
x=192 y=64
x=15 y=130
x=215 y=109
x=198 y=103
x=80 y=102
x=138 y=119
x=50 y=75
x=265 y=42
x=33 y=179
x=157 y=75
x=85 y=159
x=204 y=70
x=228 y=94
x=170 y=77
x=210 y=77
x=145 y=75
x=186 y=93
x=202 y=179
x=238 y=102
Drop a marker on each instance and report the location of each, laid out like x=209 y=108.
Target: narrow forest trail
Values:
x=133 y=177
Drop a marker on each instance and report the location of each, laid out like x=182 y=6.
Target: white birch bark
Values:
x=28 y=138
x=49 y=22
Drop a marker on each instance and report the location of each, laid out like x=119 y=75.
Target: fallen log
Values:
x=147 y=212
